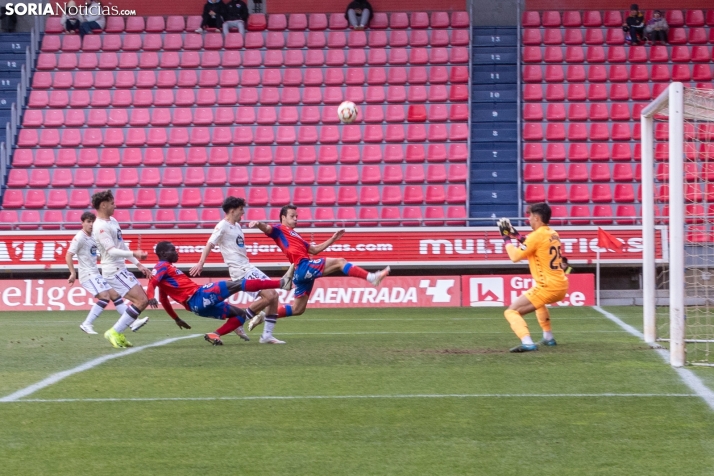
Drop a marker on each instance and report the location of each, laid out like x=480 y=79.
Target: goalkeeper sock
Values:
x=543 y=318
x=518 y=324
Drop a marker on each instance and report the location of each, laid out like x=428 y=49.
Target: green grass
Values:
x=351 y=353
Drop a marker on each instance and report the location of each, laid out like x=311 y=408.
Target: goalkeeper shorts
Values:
x=539 y=297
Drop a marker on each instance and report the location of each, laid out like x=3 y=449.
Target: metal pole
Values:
x=676 y=225
x=597 y=278
x=648 y=232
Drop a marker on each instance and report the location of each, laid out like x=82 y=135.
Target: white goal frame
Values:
x=678 y=105
x=673 y=99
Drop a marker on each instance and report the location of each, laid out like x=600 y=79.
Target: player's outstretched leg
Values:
x=544 y=320
x=334 y=264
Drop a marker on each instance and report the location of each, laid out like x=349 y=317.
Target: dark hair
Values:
x=284 y=211
x=634 y=6
x=101 y=197
x=88 y=216
x=162 y=247
x=231 y=203
x=564 y=260
x=542 y=210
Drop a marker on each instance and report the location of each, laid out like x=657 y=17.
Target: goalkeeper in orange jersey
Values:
x=542 y=248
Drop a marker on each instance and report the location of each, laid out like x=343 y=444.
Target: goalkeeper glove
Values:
x=504 y=227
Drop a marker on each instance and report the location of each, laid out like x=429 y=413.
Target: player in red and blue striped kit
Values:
x=307 y=270
x=207 y=300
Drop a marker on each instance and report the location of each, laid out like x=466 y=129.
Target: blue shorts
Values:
x=208 y=301
x=306 y=272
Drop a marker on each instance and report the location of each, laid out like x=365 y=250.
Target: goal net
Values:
x=678 y=191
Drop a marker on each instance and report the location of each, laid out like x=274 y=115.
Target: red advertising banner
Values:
x=437 y=247
x=339 y=292
x=502 y=290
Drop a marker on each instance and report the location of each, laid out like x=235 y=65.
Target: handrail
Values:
x=3 y=163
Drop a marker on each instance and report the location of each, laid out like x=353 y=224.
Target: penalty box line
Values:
x=360 y=397
x=54 y=378
x=689 y=378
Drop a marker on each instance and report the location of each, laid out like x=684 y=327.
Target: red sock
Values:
x=231 y=324
x=285 y=311
x=253 y=285
x=354 y=271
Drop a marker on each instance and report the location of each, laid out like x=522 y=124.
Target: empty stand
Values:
x=176 y=121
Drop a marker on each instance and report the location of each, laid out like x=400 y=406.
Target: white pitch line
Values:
x=689 y=378
x=54 y=378
x=356 y=397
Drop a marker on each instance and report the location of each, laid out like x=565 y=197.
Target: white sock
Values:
x=124 y=321
x=120 y=306
x=240 y=329
x=527 y=340
x=93 y=314
x=547 y=335
x=371 y=277
x=268 y=327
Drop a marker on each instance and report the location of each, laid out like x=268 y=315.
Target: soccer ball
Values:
x=347 y=112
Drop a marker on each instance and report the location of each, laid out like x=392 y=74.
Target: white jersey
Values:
x=107 y=234
x=229 y=238
x=84 y=248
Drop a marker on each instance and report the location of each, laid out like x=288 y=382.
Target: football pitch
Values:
x=371 y=391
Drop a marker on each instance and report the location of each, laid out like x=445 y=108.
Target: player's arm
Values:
x=317 y=249
x=134 y=258
x=215 y=238
x=264 y=227
x=517 y=253
x=69 y=257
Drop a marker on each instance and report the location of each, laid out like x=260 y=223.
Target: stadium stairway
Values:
x=174 y=121
x=493 y=181
x=13 y=56
x=583 y=89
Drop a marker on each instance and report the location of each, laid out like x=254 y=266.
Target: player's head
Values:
x=88 y=222
x=289 y=216
x=539 y=215
x=166 y=251
x=234 y=207
x=103 y=202
x=563 y=263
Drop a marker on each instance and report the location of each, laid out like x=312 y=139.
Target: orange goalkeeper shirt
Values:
x=542 y=248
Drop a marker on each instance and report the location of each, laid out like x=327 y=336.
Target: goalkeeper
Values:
x=542 y=249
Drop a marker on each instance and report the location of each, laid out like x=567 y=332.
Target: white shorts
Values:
x=95 y=285
x=252 y=273
x=122 y=282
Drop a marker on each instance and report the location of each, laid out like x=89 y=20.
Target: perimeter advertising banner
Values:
x=434 y=248
x=330 y=292
x=500 y=291
x=337 y=292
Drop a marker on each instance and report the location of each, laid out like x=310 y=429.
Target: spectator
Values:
x=359 y=13
x=635 y=25
x=94 y=20
x=235 y=15
x=657 y=28
x=71 y=20
x=212 y=15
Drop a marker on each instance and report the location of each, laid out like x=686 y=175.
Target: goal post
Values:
x=688 y=317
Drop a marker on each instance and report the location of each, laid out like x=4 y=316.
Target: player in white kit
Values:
x=84 y=248
x=114 y=253
x=228 y=235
